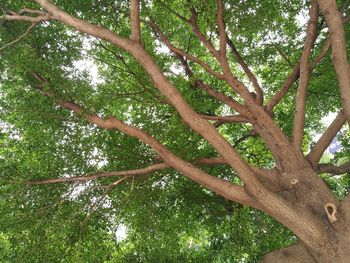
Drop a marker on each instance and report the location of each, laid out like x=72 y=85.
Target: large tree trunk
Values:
x=338 y=252
x=334 y=243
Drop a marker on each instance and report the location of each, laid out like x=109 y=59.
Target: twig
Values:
x=29 y=29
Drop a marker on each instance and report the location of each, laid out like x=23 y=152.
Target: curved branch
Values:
x=317 y=151
x=294 y=75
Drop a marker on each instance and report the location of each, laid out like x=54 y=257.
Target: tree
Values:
x=211 y=100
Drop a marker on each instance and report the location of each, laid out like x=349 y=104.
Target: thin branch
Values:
x=247 y=71
x=142 y=171
x=29 y=29
x=182 y=53
x=317 y=151
x=323 y=53
x=182 y=18
x=267 y=176
x=300 y=108
x=223 y=98
x=98 y=202
x=31 y=11
x=135 y=20
x=206 y=42
x=213 y=92
x=283 y=55
x=294 y=75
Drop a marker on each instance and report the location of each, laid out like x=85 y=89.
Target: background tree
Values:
x=227 y=94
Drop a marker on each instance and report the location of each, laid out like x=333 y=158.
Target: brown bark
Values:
x=292 y=254
x=300 y=107
x=339 y=57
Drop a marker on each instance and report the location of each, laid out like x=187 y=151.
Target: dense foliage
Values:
x=167 y=217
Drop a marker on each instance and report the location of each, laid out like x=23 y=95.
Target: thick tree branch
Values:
x=317 y=151
x=300 y=108
x=332 y=169
x=135 y=20
x=221 y=26
x=334 y=22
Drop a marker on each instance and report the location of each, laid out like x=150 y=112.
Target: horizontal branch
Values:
x=267 y=176
x=147 y=170
x=332 y=169
x=42 y=16
x=226 y=119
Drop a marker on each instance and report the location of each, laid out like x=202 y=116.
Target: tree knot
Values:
x=331 y=211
